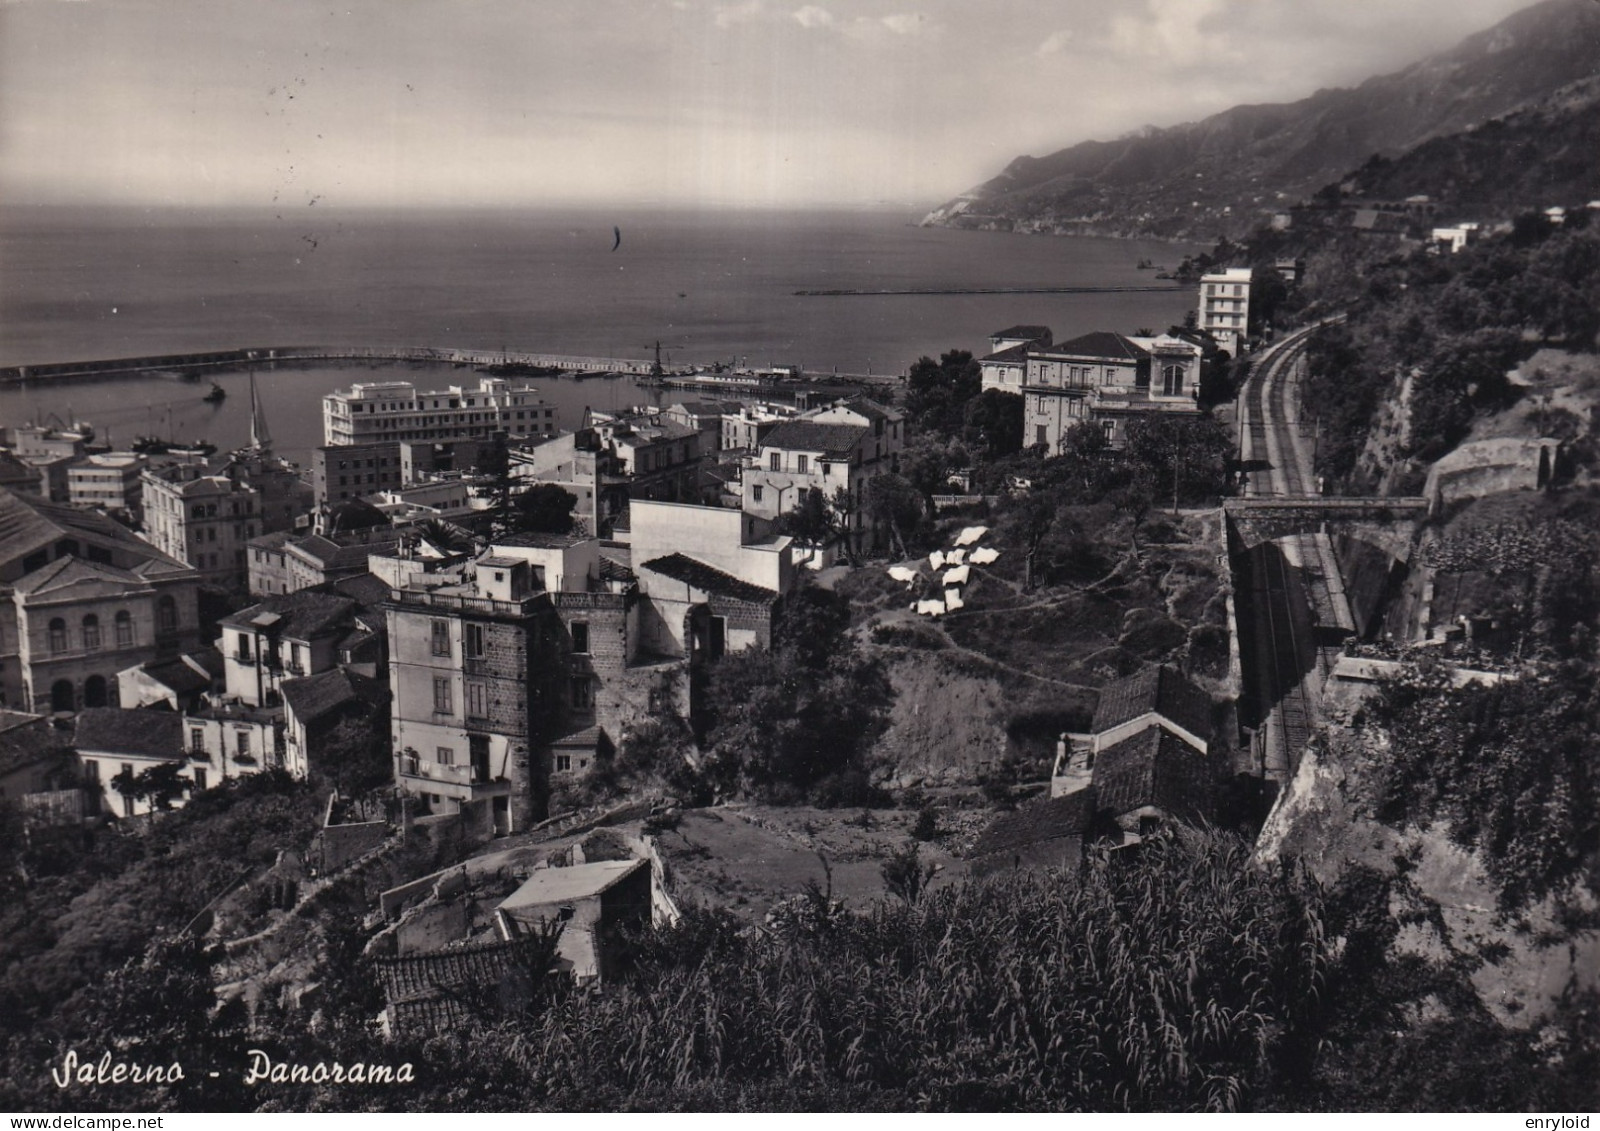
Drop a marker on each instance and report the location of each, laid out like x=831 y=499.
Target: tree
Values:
x=357 y=756
x=937 y=392
x=993 y=422
x=495 y=483
x=798 y=720
x=1030 y=520
x=895 y=503
x=545 y=508
x=1188 y=455
x=809 y=521
x=445 y=536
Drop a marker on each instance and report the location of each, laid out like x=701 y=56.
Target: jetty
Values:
x=233 y=358
x=878 y=292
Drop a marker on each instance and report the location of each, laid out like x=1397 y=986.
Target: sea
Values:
x=709 y=286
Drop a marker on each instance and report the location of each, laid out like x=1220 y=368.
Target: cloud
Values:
x=730 y=15
x=812 y=16
x=1055 y=42
x=908 y=23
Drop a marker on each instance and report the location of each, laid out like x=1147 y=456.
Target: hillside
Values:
x=1538 y=156
x=1222 y=174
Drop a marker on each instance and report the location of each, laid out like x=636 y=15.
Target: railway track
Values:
x=1271 y=434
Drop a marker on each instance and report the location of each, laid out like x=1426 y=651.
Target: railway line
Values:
x=1280 y=588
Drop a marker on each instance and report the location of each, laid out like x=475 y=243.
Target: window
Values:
x=775 y=461
x=445 y=756
x=58 y=635
x=441 y=696
x=197 y=740
x=1110 y=429
x=91 y=770
x=563 y=763
x=199 y=780
x=1040 y=434
x=244 y=646
x=580 y=637
x=474 y=641
x=800 y=464
x=241 y=743
x=582 y=694
x=477 y=700
x=1172 y=381
x=755 y=493
x=441 y=638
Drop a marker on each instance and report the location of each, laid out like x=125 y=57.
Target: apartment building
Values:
x=1225 y=307
x=205 y=512
x=108 y=480
x=389 y=412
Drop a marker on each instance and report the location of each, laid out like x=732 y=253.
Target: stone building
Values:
x=81 y=598
x=206 y=512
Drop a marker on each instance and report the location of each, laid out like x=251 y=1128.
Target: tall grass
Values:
x=1174 y=979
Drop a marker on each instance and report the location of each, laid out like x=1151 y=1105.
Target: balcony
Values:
x=424 y=770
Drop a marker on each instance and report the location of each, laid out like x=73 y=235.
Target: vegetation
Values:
x=1511 y=770
x=797 y=721
x=1450 y=326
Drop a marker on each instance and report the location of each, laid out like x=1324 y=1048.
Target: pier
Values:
x=875 y=292
x=222 y=359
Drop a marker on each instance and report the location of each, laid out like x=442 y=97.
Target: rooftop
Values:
x=1099 y=344
x=315 y=696
x=1155 y=767
x=838 y=441
x=1027 y=333
x=142 y=733
x=1041 y=821
x=1160 y=689
x=708 y=578
x=563 y=885
x=299 y=615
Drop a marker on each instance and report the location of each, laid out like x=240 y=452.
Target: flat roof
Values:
x=562 y=885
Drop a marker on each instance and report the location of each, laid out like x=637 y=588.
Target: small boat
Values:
x=154 y=446
x=216 y=395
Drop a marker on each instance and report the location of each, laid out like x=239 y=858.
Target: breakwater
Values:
x=227 y=359
x=882 y=291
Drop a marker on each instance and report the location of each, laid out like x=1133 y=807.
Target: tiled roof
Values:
x=314 y=696
x=26 y=740
x=867 y=407
x=1072 y=815
x=28 y=523
x=365 y=589
x=1031 y=333
x=1156 y=767
x=146 y=734
x=178 y=676
x=431 y=976
x=1100 y=343
x=301 y=615
x=712 y=580
x=1158 y=688
x=836 y=440
x=66 y=571
x=1011 y=354
x=274 y=540
x=539 y=540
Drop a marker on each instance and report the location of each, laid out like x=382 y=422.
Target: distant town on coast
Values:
x=1126 y=639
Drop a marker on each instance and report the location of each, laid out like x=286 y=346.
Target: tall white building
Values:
x=1225 y=307
x=382 y=412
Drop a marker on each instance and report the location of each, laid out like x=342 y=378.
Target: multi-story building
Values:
x=1225 y=307
x=659 y=456
x=389 y=412
x=1107 y=379
x=81 y=598
x=743 y=430
x=475 y=674
x=835 y=449
x=349 y=471
x=206 y=512
x=1006 y=365
x=108 y=480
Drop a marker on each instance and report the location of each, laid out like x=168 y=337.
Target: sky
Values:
x=710 y=103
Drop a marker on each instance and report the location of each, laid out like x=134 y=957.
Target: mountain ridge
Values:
x=1221 y=175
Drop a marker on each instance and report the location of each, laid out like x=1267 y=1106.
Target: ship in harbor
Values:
x=217 y=394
